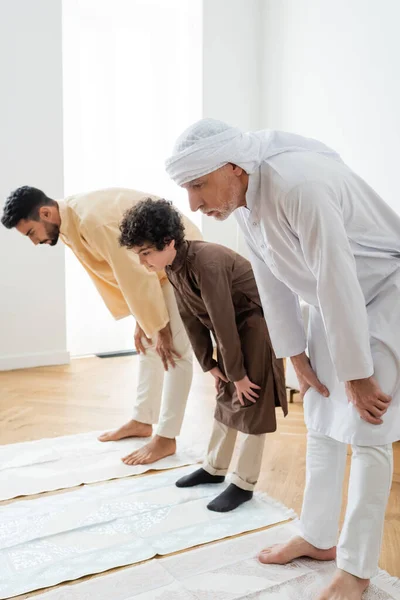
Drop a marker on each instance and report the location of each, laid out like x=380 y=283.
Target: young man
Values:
x=216 y=292
x=317 y=230
x=88 y=224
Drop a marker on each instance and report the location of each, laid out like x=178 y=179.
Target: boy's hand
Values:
x=218 y=376
x=246 y=388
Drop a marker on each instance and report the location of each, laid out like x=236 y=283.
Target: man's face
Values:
x=39 y=232
x=153 y=259
x=219 y=193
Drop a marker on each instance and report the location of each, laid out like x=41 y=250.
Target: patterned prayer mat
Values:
x=62 y=537
x=63 y=462
x=227 y=570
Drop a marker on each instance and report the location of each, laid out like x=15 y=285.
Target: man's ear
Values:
x=236 y=170
x=45 y=213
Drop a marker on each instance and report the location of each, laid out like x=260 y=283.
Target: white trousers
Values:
x=162 y=395
x=220 y=451
x=371 y=473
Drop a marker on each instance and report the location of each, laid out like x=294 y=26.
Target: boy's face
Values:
x=153 y=259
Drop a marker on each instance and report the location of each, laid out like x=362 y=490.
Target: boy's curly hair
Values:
x=153 y=222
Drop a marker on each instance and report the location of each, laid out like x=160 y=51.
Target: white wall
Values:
x=32 y=290
x=232 y=84
x=331 y=71
x=132 y=80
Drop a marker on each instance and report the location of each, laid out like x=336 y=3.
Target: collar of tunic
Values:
x=180 y=258
x=253 y=189
x=62 y=207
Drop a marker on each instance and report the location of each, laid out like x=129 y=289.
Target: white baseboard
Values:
x=28 y=361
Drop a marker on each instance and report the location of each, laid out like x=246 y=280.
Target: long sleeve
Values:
x=315 y=216
x=140 y=288
x=281 y=308
x=216 y=291
x=198 y=334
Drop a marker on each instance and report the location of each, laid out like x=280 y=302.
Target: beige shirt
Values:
x=90 y=227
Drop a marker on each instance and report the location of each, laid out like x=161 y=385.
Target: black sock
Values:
x=230 y=499
x=198 y=477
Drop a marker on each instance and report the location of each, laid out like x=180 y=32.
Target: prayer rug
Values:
x=226 y=570
x=57 y=463
x=62 y=537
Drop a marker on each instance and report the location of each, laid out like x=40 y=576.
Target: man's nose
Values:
x=195 y=202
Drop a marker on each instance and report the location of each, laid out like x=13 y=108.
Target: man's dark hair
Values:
x=153 y=222
x=24 y=203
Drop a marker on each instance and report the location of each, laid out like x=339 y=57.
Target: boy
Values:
x=216 y=292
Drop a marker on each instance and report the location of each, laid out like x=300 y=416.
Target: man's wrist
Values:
x=358 y=381
x=164 y=330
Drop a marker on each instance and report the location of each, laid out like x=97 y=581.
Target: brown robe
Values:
x=216 y=291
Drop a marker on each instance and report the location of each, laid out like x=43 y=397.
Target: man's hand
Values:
x=218 y=376
x=368 y=398
x=139 y=335
x=306 y=376
x=165 y=347
x=246 y=388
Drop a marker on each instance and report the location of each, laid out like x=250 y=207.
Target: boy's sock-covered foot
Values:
x=199 y=477
x=230 y=499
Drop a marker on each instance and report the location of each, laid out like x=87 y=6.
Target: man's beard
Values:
x=226 y=212
x=221 y=216
x=52 y=232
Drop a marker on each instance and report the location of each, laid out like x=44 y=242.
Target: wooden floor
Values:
x=94 y=393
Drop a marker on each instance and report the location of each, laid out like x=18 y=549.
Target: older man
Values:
x=89 y=224
x=316 y=230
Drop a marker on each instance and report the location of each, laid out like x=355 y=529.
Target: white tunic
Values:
x=317 y=230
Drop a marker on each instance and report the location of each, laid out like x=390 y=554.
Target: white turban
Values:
x=210 y=144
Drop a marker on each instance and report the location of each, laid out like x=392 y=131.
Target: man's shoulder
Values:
x=104 y=206
x=291 y=170
x=291 y=176
x=107 y=195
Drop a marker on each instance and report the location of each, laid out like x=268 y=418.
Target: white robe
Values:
x=317 y=230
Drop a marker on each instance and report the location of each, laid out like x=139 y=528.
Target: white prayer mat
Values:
x=57 y=538
x=63 y=462
x=224 y=571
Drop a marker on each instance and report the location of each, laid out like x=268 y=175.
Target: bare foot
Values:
x=345 y=587
x=281 y=554
x=158 y=448
x=130 y=429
